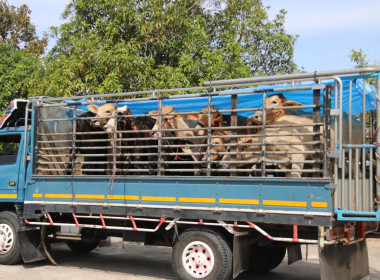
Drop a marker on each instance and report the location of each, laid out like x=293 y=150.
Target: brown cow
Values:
x=202 y=118
x=102 y=114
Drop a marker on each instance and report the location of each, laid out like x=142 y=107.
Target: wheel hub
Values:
x=6 y=239
x=198 y=259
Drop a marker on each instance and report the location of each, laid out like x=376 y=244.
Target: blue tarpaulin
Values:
x=254 y=100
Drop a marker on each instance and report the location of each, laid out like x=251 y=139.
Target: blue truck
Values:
x=63 y=179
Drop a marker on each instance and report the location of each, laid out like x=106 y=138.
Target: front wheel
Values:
x=202 y=254
x=10 y=252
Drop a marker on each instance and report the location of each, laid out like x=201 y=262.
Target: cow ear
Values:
x=93 y=108
x=153 y=113
x=192 y=117
x=219 y=116
x=292 y=103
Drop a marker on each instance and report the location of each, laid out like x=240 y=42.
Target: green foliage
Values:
x=16 y=67
x=361 y=61
x=20 y=49
x=116 y=45
x=16 y=29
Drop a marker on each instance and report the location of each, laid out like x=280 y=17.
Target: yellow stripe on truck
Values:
x=239 y=201
x=196 y=200
x=285 y=203
x=8 y=195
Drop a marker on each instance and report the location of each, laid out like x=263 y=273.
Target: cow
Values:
x=102 y=114
x=279 y=101
x=218 y=144
x=202 y=118
x=90 y=142
x=183 y=134
x=129 y=132
x=291 y=141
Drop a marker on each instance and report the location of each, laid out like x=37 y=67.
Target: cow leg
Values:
x=296 y=166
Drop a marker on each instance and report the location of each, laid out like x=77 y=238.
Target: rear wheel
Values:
x=10 y=252
x=81 y=247
x=264 y=258
x=202 y=254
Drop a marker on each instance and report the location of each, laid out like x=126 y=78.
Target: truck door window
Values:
x=9 y=145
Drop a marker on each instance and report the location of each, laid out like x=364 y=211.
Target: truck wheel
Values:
x=10 y=252
x=202 y=254
x=81 y=247
x=264 y=258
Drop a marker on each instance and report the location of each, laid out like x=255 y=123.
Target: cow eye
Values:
x=108 y=112
x=166 y=119
x=216 y=142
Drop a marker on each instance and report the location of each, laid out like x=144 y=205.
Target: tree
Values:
x=20 y=50
x=17 y=31
x=118 y=45
x=360 y=59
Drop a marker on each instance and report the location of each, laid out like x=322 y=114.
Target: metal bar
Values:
x=209 y=134
x=377 y=194
x=326 y=130
x=316 y=119
x=159 y=140
x=311 y=75
x=234 y=105
x=364 y=185
x=357 y=179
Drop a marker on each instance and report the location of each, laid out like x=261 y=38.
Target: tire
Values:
x=10 y=252
x=202 y=254
x=263 y=258
x=81 y=247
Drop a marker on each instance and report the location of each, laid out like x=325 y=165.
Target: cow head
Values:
x=277 y=101
x=111 y=124
x=202 y=118
x=218 y=145
x=102 y=114
x=166 y=122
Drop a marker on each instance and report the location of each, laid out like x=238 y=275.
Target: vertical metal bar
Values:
x=26 y=133
x=159 y=140
x=263 y=138
x=316 y=129
x=364 y=185
x=370 y=195
x=73 y=144
x=114 y=141
x=327 y=131
x=357 y=179
x=233 y=132
x=350 y=114
x=378 y=141
x=343 y=188
x=364 y=115
x=350 y=206
x=336 y=137
x=209 y=135
x=36 y=127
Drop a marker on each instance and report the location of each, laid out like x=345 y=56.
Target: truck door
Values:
x=9 y=166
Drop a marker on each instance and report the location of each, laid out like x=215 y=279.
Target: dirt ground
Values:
x=131 y=261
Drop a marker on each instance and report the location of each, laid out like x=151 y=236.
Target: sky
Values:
x=328 y=29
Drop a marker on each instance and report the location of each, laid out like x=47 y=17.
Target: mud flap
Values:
x=30 y=241
x=240 y=253
x=294 y=253
x=344 y=262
